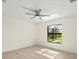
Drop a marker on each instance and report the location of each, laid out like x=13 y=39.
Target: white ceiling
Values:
x=56 y=8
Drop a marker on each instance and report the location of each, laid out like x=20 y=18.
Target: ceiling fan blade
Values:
x=37 y=18
x=29 y=13
x=32 y=17
x=40 y=18
x=28 y=9
x=43 y=15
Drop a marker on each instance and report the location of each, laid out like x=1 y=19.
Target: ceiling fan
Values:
x=36 y=13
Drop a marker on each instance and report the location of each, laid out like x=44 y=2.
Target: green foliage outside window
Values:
x=54 y=33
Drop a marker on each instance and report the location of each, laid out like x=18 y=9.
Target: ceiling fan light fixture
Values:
x=37 y=17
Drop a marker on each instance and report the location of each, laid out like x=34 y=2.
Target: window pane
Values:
x=54 y=33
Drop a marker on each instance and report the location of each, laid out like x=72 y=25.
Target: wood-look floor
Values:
x=38 y=52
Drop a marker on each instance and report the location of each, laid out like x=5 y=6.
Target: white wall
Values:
x=17 y=34
x=69 y=34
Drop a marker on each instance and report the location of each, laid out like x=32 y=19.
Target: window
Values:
x=54 y=33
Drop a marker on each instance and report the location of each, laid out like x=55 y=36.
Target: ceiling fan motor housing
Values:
x=37 y=12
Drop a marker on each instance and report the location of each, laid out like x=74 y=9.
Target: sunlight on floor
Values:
x=48 y=53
